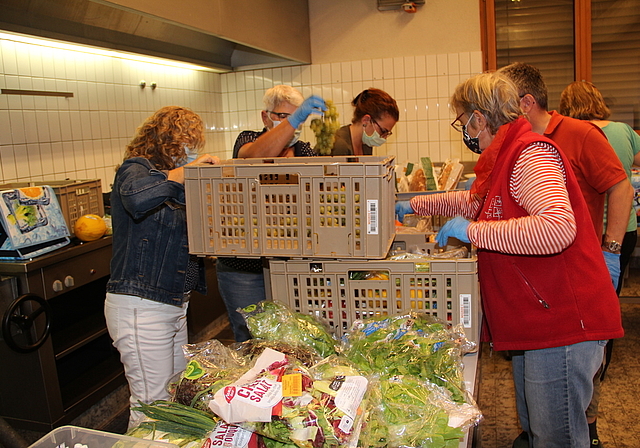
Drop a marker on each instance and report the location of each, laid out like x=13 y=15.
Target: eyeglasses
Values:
x=455 y=124
x=280 y=115
x=383 y=132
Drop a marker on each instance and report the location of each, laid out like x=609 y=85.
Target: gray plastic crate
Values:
x=76 y=437
x=320 y=207
x=342 y=291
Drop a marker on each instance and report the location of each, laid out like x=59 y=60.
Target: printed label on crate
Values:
x=465 y=310
x=372 y=217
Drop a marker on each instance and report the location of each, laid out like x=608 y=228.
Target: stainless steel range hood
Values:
x=116 y=26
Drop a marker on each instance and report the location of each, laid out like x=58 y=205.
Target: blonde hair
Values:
x=492 y=94
x=582 y=100
x=279 y=94
x=163 y=136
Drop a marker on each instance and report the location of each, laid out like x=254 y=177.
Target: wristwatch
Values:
x=612 y=246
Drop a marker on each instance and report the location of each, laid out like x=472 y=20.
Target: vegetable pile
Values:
x=393 y=381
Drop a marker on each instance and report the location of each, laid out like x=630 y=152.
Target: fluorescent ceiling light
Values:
x=102 y=51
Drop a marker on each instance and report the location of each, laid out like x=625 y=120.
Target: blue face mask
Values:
x=191 y=157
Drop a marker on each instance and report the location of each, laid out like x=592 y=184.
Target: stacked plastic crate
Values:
x=326 y=224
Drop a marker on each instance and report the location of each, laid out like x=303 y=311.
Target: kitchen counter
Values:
x=57 y=341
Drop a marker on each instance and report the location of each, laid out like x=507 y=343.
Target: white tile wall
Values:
x=83 y=137
x=422 y=86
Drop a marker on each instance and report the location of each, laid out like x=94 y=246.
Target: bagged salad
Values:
x=280 y=399
x=253 y=348
x=273 y=320
x=210 y=366
x=409 y=344
x=407 y=411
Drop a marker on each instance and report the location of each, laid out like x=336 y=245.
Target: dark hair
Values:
x=582 y=100
x=375 y=103
x=163 y=136
x=528 y=80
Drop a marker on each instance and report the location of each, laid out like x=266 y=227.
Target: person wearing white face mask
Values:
x=374 y=116
x=241 y=280
x=285 y=111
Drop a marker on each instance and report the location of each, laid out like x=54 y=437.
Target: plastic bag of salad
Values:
x=406 y=411
x=277 y=399
x=273 y=320
x=210 y=366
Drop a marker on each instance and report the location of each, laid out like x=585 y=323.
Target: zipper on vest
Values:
x=535 y=292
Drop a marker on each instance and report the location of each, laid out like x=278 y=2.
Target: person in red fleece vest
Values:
x=544 y=283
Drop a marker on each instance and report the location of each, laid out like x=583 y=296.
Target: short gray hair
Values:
x=277 y=95
x=492 y=94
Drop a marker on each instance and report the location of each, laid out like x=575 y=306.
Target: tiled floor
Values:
x=620 y=400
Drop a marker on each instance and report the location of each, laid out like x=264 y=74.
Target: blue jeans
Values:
x=553 y=389
x=239 y=289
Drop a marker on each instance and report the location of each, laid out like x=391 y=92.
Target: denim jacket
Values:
x=150 y=248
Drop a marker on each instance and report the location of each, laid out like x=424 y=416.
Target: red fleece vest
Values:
x=542 y=301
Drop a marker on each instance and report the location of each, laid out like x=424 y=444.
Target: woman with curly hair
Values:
x=152 y=273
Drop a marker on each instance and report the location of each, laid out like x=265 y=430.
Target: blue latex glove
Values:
x=312 y=105
x=613 y=264
x=403 y=208
x=456 y=228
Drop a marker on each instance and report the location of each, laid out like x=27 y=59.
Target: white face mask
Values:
x=275 y=123
x=296 y=134
x=373 y=139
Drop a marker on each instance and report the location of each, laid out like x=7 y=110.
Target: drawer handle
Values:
x=57 y=286
x=69 y=281
x=92 y=271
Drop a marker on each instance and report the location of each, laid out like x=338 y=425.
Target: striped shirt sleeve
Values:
x=538 y=185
